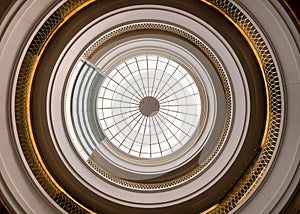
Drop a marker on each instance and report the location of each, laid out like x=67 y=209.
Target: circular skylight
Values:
x=149 y=106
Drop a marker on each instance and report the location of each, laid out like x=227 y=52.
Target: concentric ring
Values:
x=220 y=79
x=32 y=135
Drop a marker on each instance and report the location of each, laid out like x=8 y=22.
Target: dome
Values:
x=149 y=106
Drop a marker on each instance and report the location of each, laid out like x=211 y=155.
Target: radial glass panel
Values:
x=149 y=106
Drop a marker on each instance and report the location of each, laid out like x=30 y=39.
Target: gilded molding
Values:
x=230 y=12
x=292 y=8
x=225 y=84
x=22 y=106
x=274 y=104
x=4 y=206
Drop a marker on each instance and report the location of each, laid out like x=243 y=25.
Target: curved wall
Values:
x=21 y=191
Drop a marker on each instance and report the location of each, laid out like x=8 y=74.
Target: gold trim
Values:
x=5 y=206
x=252 y=186
x=273 y=117
x=210 y=209
x=292 y=12
x=257 y=58
x=28 y=97
x=225 y=84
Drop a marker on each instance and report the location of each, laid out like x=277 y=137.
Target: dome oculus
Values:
x=148 y=106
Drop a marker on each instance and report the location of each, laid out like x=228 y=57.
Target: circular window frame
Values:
x=203 y=115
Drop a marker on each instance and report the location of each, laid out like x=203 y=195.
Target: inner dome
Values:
x=149 y=106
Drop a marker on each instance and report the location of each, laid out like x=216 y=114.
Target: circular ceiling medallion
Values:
x=149 y=106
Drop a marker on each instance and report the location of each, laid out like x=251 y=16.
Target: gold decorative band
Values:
x=230 y=12
x=274 y=103
x=223 y=78
x=22 y=106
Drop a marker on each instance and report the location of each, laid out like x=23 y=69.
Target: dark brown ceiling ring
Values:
x=257 y=94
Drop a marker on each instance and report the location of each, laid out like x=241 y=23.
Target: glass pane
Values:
x=148 y=106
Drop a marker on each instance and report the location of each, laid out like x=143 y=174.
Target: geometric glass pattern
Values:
x=148 y=106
